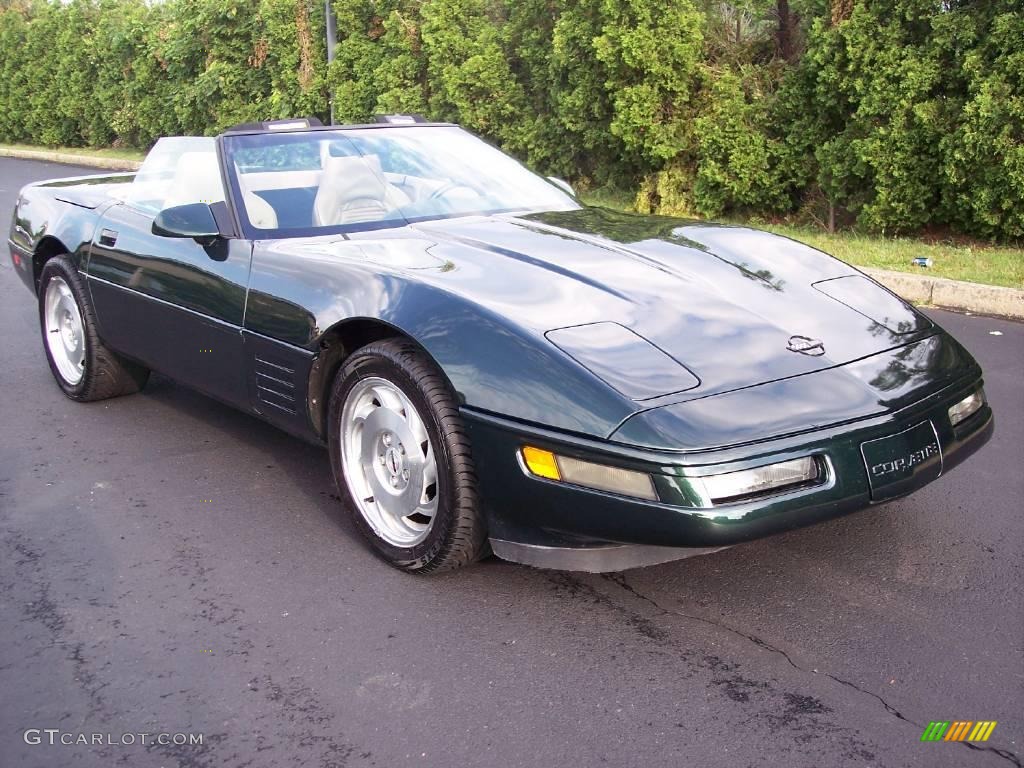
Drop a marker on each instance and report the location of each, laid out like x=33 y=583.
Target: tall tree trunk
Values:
x=784 y=33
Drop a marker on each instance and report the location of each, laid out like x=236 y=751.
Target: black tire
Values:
x=105 y=374
x=457 y=536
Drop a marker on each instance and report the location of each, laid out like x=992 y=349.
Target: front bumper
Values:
x=532 y=512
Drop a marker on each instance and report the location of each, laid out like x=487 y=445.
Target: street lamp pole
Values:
x=332 y=41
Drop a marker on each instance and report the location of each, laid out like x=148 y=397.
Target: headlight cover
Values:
x=600 y=477
x=735 y=486
x=966 y=407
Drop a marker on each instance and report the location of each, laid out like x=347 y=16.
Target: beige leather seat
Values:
x=261 y=214
x=353 y=190
x=196 y=180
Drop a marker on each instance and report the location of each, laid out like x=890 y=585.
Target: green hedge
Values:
x=896 y=115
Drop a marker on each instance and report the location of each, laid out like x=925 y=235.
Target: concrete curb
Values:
x=953 y=294
x=69 y=158
x=920 y=289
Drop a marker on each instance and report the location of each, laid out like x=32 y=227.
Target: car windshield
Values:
x=320 y=181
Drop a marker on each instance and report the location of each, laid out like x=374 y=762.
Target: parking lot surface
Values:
x=170 y=565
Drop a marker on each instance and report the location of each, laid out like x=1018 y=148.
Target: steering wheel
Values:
x=447 y=187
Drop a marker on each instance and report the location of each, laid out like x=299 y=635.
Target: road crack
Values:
x=620 y=580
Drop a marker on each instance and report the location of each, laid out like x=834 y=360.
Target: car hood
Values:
x=734 y=306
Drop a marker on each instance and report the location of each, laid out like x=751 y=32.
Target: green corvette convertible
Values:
x=492 y=365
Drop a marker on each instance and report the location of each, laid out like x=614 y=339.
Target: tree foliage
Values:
x=896 y=115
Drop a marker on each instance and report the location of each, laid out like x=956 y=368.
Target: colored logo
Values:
x=958 y=730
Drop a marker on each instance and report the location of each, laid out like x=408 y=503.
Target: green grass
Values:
x=609 y=197
x=975 y=262
x=119 y=154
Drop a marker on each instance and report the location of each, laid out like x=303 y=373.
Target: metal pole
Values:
x=332 y=41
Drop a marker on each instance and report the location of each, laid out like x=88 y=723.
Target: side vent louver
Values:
x=275 y=385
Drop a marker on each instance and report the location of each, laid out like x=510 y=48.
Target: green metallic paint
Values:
x=537 y=511
x=210 y=280
x=479 y=293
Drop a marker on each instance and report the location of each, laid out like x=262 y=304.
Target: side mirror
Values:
x=194 y=220
x=563 y=185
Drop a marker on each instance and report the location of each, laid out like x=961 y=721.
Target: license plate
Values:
x=900 y=463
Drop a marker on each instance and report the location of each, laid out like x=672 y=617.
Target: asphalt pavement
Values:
x=170 y=565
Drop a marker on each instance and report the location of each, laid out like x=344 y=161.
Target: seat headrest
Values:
x=351 y=189
x=355 y=177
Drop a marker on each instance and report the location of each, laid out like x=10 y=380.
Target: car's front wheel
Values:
x=82 y=366
x=401 y=459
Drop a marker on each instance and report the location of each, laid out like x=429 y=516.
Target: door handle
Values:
x=108 y=237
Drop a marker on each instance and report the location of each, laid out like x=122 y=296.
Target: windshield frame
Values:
x=240 y=215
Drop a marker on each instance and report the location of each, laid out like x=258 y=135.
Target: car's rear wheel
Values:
x=82 y=366
x=401 y=459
